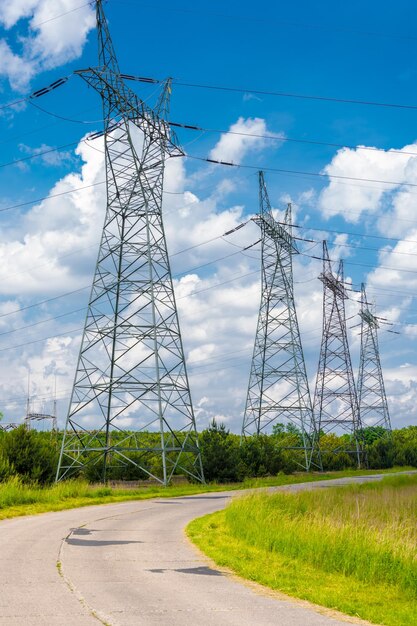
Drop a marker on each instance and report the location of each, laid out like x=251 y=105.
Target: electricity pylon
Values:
x=131 y=371
x=278 y=390
x=335 y=401
x=373 y=406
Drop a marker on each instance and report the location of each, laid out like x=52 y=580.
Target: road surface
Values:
x=130 y=564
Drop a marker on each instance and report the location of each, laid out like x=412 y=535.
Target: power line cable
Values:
x=283 y=94
x=39 y=92
x=347 y=262
x=177 y=275
x=288 y=139
x=48 y=319
x=70 y=293
x=55 y=17
x=75 y=330
x=354 y=234
x=271 y=20
x=36 y=304
x=315 y=174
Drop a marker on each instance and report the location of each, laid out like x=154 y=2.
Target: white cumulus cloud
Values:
x=50 y=33
x=244 y=135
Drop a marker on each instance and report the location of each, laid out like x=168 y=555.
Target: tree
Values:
x=220 y=454
x=32 y=458
x=261 y=456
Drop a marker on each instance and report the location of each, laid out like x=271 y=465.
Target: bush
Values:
x=405 y=446
x=261 y=456
x=220 y=454
x=30 y=456
x=6 y=469
x=381 y=453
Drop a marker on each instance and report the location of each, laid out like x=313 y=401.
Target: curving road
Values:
x=131 y=564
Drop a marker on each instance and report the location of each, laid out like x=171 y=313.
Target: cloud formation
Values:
x=245 y=135
x=352 y=200
x=46 y=34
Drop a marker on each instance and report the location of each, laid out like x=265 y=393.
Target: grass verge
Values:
x=18 y=499
x=353 y=549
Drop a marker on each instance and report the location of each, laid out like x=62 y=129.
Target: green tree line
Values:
x=33 y=455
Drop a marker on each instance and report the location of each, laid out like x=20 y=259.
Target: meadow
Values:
x=18 y=497
x=352 y=548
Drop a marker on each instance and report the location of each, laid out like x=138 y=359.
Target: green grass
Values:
x=17 y=498
x=352 y=548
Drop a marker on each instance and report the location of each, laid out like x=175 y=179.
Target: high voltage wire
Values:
x=280 y=94
x=8 y=332
x=189 y=295
x=219 y=259
x=288 y=139
x=48 y=319
x=217 y=162
x=357 y=247
x=31 y=306
x=342 y=232
x=347 y=262
x=271 y=20
x=70 y=293
x=62 y=193
x=191 y=367
x=222 y=131
x=62 y=81
x=303 y=173
x=283 y=94
x=55 y=17
x=51 y=196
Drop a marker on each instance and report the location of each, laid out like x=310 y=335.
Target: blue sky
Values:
x=347 y=51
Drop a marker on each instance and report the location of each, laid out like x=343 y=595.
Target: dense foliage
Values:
x=33 y=455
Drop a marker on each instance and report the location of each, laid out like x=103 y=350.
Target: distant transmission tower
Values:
x=335 y=402
x=278 y=389
x=373 y=406
x=131 y=379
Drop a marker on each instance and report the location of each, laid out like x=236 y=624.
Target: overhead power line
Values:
x=348 y=262
x=39 y=92
x=197 y=245
x=255 y=18
x=353 y=234
x=55 y=17
x=283 y=94
x=75 y=330
x=301 y=172
x=280 y=94
x=289 y=139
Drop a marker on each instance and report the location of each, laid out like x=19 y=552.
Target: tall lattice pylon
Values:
x=335 y=401
x=131 y=383
x=373 y=405
x=278 y=389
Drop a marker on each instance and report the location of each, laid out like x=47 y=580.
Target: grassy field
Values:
x=352 y=548
x=20 y=499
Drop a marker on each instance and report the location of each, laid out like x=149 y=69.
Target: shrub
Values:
x=220 y=454
x=31 y=457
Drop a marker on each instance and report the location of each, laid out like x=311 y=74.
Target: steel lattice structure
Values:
x=335 y=401
x=9 y=426
x=373 y=406
x=131 y=370
x=278 y=390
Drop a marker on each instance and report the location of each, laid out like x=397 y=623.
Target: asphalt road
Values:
x=131 y=564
